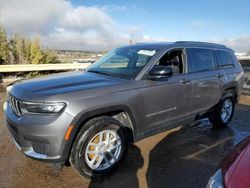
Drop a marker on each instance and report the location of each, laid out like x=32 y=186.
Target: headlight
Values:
x=8 y=89
x=48 y=108
x=216 y=181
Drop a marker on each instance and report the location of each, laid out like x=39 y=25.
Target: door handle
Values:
x=185 y=81
x=219 y=75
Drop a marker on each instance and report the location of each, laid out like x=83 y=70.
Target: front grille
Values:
x=41 y=148
x=15 y=105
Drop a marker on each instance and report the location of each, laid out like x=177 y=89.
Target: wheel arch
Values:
x=121 y=113
x=233 y=89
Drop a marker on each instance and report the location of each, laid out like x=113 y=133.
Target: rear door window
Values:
x=201 y=60
x=225 y=58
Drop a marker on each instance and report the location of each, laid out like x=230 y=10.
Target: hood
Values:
x=241 y=174
x=236 y=165
x=60 y=84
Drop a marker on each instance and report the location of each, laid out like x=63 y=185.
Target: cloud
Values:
x=30 y=16
x=64 y=26
x=199 y=24
x=70 y=39
x=114 y=8
x=240 y=44
x=87 y=18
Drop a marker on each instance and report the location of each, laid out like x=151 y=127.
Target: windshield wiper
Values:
x=99 y=72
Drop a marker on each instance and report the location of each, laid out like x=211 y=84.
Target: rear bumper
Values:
x=38 y=136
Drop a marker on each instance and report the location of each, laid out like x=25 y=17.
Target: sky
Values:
x=103 y=25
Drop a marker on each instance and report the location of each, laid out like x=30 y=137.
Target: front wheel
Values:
x=99 y=147
x=223 y=113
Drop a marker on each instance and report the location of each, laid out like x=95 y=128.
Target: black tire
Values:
x=215 y=116
x=85 y=135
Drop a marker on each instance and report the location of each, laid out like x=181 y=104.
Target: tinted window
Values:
x=225 y=58
x=201 y=60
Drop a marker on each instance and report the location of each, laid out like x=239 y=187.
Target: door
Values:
x=207 y=79
x=167 y=100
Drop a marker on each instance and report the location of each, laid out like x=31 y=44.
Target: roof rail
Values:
x=196 y=42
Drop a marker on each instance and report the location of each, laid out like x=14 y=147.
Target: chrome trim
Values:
x=17 y=145
x=15 y=105
x=160 y=112
x=31 y=153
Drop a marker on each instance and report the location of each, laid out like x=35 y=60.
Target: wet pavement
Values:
x=183 y=157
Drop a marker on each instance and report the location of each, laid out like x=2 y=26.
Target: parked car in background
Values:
x=246 y=67
x=89 y=118
x=233 y=172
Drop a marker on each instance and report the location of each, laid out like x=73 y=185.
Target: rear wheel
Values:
x=223 y=112
x=99 y=147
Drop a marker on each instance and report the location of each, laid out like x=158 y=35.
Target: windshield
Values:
x=123 y=62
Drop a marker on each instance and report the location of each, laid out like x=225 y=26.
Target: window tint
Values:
x=225 y=58
x=201 y=60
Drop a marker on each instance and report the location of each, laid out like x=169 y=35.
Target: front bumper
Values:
x=29 y=151
x=40 y=137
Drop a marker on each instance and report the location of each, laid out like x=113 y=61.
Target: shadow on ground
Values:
x=126 y=174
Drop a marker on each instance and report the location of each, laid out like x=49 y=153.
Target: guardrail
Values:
x=48 y=67
x=41 y=67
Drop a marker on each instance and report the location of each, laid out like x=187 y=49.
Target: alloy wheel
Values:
x=103 y=150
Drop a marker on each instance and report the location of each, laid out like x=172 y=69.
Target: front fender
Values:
x=82 y=117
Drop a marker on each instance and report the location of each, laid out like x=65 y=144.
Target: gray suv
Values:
x=88 y=118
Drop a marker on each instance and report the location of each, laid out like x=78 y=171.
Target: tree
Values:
x=4 y=49
x=27 y=50
x=35 y=51
x=14 y=59
x=49 y=57
x=20 y=50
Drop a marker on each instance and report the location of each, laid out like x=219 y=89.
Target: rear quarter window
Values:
x=225 y=59
x=201 y=60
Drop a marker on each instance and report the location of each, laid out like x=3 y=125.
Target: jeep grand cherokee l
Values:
x=89 y=117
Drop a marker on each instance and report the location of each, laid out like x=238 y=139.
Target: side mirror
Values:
x=158 y=72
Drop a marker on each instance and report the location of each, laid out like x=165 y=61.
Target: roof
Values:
x=178 y=44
